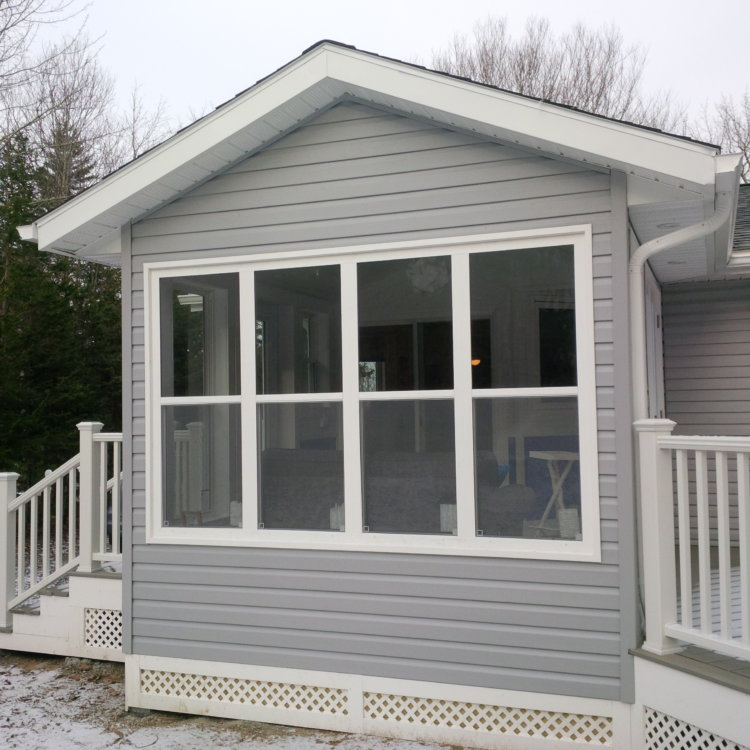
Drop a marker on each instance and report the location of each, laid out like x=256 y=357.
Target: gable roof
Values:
x=88 y=225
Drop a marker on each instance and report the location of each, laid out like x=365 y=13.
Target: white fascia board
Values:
x=184 y=147
x=567 y=132
x=28 y=232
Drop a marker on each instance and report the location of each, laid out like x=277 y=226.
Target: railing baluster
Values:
x=101 y=500
x=72 y=499
x=33 y=532
x=21 y=551
x=116 y=460
x=59 y=509
x=683 y=527
x=722 y=524
x=743 y=503
x=704 y=540
x=46 y=522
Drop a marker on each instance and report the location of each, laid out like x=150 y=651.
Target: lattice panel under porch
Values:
x=102 y=628
x=664 y=732
x=278 y=695
x=479 y=717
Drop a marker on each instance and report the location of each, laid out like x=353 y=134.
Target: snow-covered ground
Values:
x=50 y=703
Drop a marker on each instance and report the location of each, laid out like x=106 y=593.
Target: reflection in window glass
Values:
x=526 y=467
x=409 y=466
x=200 y=335
x=298 y=330
x=201 y=465
x=300 y=467
x=523 y=318
x=405 y=331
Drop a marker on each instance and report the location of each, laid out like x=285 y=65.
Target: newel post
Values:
x=8 y=542
x=658 y=574
x=88 y=495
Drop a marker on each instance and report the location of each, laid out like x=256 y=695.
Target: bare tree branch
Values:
x=590 y=70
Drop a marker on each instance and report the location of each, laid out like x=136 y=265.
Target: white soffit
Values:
x=320 y=78
x=688 y=261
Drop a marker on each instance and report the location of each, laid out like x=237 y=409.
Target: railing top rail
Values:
x=706 y=442
x=107 y=437
x=48 y=481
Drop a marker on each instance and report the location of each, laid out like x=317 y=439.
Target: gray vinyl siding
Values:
x=707 y=357
x=355 y=176
x=707 y=372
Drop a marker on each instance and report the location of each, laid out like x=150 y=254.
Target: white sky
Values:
x=195 y=54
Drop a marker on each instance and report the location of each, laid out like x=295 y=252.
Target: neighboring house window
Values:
x=423 y=399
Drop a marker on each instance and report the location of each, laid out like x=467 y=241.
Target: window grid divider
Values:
x=353 y=496
x=248 y=416
x=462 y=406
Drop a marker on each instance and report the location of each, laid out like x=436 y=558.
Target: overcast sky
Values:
x=197 y=54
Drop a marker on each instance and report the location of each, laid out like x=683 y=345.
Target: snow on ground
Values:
x=51 y=703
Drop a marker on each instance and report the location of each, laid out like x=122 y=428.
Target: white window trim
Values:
x=465 y=543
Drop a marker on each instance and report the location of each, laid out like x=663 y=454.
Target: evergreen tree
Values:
x=33 y=320
x=59 y=318
x=66 y=165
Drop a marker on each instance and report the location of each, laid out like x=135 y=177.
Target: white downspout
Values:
x=637 y=295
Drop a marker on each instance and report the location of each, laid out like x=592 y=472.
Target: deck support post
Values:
x=89 y=505
x=8 y=542
x=658 y=574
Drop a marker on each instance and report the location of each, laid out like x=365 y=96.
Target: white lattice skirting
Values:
x=664 y=732
x=102 y=628
x=482 y=718
x=272 y=695
x=473 y=717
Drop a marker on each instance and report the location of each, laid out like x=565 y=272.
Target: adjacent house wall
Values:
x=358 y=175
x=707 y=357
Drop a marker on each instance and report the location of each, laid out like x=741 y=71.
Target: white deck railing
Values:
x=695 y=532
x=69 y=520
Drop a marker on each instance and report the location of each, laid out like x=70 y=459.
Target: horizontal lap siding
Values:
x=707 y=374
x=357 y=176
x=707 y=357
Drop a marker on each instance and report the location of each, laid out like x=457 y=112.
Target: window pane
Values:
x=523 y=318
x=526 y=467
x=301 y=471
x=405 y=330
x=200 y=335
x=409 y=466
x=298 y=330
x=201 y=465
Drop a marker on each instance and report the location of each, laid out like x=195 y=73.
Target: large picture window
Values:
x=435 y=399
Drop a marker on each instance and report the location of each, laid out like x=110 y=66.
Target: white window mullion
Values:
x=465 y=510
x=248 y=408
x=350 y=387
x=586 y=377
x=154 y=332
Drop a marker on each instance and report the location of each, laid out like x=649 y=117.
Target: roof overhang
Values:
x=89 y=224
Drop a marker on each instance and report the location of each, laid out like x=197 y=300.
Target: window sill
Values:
x=501 y=547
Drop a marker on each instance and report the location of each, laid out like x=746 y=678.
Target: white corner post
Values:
x=88 y=495
x=657 y=533
x=8 y=542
